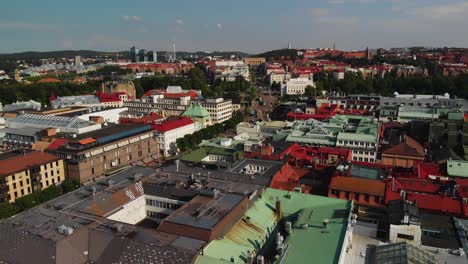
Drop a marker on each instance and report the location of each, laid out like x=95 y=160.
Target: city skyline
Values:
x=251 y=27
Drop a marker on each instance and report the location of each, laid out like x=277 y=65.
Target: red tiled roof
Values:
x=20 y=163
x=172 y=124
x=358 y=185
x=57 y=143
x=148 y=119
x=409 y=148
x=48 y=80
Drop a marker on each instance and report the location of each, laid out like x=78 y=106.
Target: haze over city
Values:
x=248 y=26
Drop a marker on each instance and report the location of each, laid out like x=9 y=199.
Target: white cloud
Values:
x=443 y=12
x=219 y=26
x=179 y=22
x=320 y=11
x=131 y=18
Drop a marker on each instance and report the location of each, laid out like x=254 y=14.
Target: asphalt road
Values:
x=268 y=99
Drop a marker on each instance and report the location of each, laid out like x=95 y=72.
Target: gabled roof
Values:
x=358 y=185
x=172 y=124
x=406 y=148
x=22 y=162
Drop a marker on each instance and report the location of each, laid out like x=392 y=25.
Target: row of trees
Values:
x=386 y=86
x=192 y=140
x=193 y=79
x=233 y=89
x=36 y=198
x=41 y=91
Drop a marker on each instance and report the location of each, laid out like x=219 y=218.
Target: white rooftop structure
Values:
x=61 y=123
x=31 y=104
x=79 y=100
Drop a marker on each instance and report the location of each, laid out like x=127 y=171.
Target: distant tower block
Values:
x=17 y=75
x=289 y=45
x=77 y=60
x=174 y=49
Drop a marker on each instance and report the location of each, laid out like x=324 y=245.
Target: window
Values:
x=356 y=196
x=404 y=236
x=366 y=198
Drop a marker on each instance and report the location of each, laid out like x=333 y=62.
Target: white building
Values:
x=109 y=115
x=338 y=74
x=61 y=123
x=220 y=109
x=168 y=132
x=229 y=63
x=278 y=77
x=296 y=86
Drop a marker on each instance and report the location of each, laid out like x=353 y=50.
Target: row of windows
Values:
x=355 y=143
x=15 y=194
x=156 y=215
x=363 y=152
x=162 y=204
x=363 y=159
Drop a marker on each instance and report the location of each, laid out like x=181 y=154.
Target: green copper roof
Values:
x=202 y=152
x=196 y=111
x=258 y=228
x=356 y=137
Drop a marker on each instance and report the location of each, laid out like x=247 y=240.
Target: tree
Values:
x=69 y=185
x=309 y=91
x=8 y=210
x=181 y=144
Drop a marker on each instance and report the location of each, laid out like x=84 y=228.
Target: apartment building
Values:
x=220 y=109
x=167 y=132
x=99 y=152
x=23 y=172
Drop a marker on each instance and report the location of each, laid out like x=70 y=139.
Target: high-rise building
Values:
x=134 y=54
x=78 y=61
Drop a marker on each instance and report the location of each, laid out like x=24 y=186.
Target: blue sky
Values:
x=244 y=25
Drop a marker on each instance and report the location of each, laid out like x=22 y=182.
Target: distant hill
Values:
x=33 y=55
x=28 y=55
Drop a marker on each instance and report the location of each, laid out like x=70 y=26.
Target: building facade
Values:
x=220 y=109
x=296 y=86
x=24 y=172
x=167 y=132
x=96 y=153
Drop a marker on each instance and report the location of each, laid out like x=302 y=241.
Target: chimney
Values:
x=279 y=209
x=325 y=223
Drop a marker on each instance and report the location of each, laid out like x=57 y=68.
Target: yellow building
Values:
x=254 y=62
x=25 y=172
